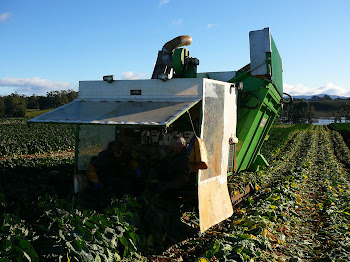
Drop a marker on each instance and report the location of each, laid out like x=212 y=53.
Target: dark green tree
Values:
x=326 y=97
x=298 y=112
x=15 y=105
x=57 y=98
x=344 y=111
x=2 y=107
x=33 y=102
x=71 y=95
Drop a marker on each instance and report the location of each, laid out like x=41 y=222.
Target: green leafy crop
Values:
x=19 y=138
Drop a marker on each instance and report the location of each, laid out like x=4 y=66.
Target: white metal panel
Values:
x=218 y=125
x=260 y=43
x=219 y=122
x=230 y=123
x=179 y=89
x=221 y=76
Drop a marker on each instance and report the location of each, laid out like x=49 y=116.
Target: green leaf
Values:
x=87 y=234
x=77 y=245
x=24 y=243
x=133 y=203
x=117 y=257
x=32 y=253
x=4 y=260
x=27 y=256
x=90 y=225
x=69 y=245
x=104 y=222
x=97 y=258
x=6 y=245
x=61 y=234
x=120 y=231
x=133 y=236
x=124 y=241
x=94 y=218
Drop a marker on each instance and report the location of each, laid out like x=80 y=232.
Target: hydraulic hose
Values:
x=283 y=101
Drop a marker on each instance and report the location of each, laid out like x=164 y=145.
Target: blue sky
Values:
x=53 y=44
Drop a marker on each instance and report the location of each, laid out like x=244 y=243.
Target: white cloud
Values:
x=4 y=17
x=163 y=2
x=178 y=22
x=29 y=86
x=132 y=75
x=302 y=90
x=211 y=26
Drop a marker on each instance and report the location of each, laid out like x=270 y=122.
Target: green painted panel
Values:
x=258 y=106
x=276 y=62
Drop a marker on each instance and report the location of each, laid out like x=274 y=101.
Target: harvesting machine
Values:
x=232 y=112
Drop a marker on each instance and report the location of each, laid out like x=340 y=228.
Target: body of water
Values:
x=326 y=120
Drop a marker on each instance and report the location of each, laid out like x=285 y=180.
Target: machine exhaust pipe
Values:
x=164 y=61
x=170 y=46
x=182 y=40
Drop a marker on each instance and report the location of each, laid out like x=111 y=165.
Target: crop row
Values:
x=332 y=179
x=259 y=227
x=19 y=138
x=281 y=140
x=340 y=126
x=301 y=213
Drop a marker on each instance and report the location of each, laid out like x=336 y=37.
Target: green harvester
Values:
x=231 y=113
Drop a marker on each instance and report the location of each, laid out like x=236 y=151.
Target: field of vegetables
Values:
x=19 y=138
x=300 y=210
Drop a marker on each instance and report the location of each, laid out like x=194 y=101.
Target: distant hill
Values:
x=320 y=96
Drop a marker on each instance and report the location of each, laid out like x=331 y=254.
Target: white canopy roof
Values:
x=93 y=111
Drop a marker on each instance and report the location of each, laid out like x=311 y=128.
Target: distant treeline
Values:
x=16 y=105
x=304 y=111
x=326 y=106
